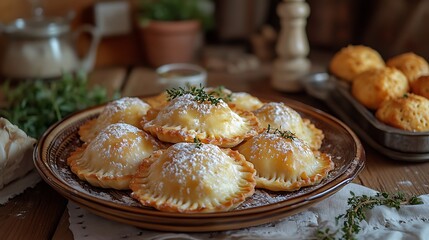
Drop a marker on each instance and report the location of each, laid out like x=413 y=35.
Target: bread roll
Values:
x=412 y=65
x=420 y=86
x=409 y=112
x=353 y=60
x=374 y=86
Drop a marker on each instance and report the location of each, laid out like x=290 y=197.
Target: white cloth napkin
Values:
x=409 y=222
x=18 y=186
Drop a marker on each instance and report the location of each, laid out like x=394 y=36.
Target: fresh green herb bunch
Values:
x=200 y=95
x=34 y=105
x=176 y=10
x=356 y=212
x=284 y=134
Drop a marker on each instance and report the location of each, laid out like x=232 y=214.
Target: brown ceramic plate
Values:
x=264 y=206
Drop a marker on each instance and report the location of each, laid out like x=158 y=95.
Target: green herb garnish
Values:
x=284 y=134
x=356 y=212
x=200 y=95
x=197 y=142
x=34 y=105
x=221 y=92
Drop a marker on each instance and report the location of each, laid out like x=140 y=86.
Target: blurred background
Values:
x=390 y=27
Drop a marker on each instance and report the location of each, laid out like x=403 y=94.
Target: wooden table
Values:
x=41 y=213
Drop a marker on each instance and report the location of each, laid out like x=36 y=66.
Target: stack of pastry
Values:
x=199 y=150
x=396 y=90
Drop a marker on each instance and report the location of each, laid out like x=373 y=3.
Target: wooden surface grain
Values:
x=41 y=213
x=33 y=214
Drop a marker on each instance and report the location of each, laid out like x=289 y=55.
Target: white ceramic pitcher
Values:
x=44 y=48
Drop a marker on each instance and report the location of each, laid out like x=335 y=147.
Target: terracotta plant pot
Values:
x=171 y=42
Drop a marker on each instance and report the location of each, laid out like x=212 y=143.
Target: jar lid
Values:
x=37 y=27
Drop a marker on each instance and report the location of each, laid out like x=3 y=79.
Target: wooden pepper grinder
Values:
x=292 y=46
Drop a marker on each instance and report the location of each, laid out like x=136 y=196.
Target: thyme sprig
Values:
x=284 y=134
x=200 y=95
x=222 y=92
x=197 y=142
x=355 y=214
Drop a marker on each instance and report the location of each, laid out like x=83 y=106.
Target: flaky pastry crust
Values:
x=285 y=164
x=184 y=120
x=188 y=178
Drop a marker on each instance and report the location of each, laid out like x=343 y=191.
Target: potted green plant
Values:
x=171 y=30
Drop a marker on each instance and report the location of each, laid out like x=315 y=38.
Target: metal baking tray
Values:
x=392 y=142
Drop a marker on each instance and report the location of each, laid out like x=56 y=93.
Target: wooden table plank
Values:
x=142 y=81
x=384 y=174
x=110 y=78
x=32 y=215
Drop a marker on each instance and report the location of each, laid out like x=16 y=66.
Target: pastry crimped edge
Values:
x=279 y=185
x=317 y=134
x=85 y=129
x=147 y=200
x=120 y=183
x=176 y=134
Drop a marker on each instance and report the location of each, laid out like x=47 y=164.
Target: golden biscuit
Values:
x=412 y=65
x=409 y=112
x=374 y=86
x=420 y=86
x=353 y=60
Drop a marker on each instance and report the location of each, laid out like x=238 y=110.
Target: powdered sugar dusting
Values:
x=202 y=171
x=122 y=104
x=279 y=116
x=118 y=147
x=187 y=102
x=194 y=117
x=277 y=143
x=189 y=160
x=124 y=110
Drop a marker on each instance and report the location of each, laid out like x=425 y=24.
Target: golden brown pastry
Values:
x=410 y=64
x=113 y=157
x=158 y=101
x=375 y=86
x=283 y=162
x=193 y=178
x=240 y=100
x=185 y=118
x=282 y=117
x=420 y=86
x=245 y=101
x=124 y=110
x=409 y=112
x=354 y=60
